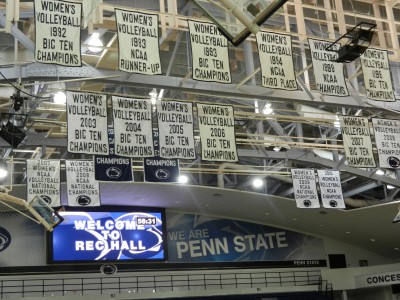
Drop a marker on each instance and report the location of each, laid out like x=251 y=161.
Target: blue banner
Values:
x=158 y=169
x=112 y=167
x=196 y=239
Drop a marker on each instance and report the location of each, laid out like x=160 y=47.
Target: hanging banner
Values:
x=387 y=138
x=357 y=141
x=43 y=179
x=138 y=49
x=329 y=75
x=158 y=169
x=305 y=188
x=276 y=60
x=175 y=127
x=210 y=55
x=331 y=189
x=112 y=167
x=82 y=188
x=217 y=132
x=58 y=32
x=87 y=123
x=200 y=239
x=377 y=78
x=133 y=127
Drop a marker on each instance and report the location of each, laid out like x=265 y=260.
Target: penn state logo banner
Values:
x=43 y=179
x=377 y=78
x=210 y=55
x=158 y=169
x=305 y=188
x=276 y=60
x=87 y=123
x=331 y=189
x=112 y=167
x=387 y=138
x=82 y=188
x=175 y=127
x=357 y=141
x=217 y=132
x=58 y=32
x=138 y=42
x=133 y=127
x=329 y=75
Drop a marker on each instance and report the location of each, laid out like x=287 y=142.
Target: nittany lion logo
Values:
x=162 y=174
x=5 y=239
x=46 y=199
x=307 y=203
x=83 y=200
x=393 y=161
x=333 y=203
x=113 y=172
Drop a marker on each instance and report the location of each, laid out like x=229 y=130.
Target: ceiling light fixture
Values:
x=337 y=122
x=60 y=98
x=380 y=172
x=153 y=95
x=267 y=110
x=3 y=173
x=257 y=183
x=95 y=45
x=183 y=179
x=390 y=187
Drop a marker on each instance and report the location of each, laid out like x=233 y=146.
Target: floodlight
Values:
x=237 y=19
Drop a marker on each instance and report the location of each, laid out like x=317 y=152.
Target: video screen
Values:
x=123 y=234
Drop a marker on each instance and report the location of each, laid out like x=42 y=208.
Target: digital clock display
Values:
x=102 y=234
x=146 y=221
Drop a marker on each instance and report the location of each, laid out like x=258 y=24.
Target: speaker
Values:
x=12 y=134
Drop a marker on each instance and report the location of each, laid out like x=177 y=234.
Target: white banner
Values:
x=331 y=189
x=329 y=76
x=387 y=137
x=305 y=188
x=87 y=123
x=175 y=128
x=43 y=179
x=377 y=79
x=217 y=132
x=210 y=55
x=82 y=188
x=133 y=132
x=138 y=42
x=276 y=60
x=357 y=141
x=58 y=32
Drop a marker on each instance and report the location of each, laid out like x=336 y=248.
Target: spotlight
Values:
x=257 y=183
x=267 y=110
x=390 y=187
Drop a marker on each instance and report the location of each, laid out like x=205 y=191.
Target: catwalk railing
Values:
x=126 y=284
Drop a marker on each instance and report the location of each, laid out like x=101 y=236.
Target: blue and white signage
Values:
x=86 y=236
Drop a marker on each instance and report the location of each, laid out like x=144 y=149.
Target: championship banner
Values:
x=200 y=239
x=133 y=127
x=158 y=169
x=387 y=137
x=377 y=78
x=210 y=55
x=138 y=42
x=175 y=127
x=276 y=60
x=217 y=132
x=43 y=179
x=58 y=32
x=305 y=188
x=82 y=188
x=331 y=189
x=87 y=123
x=112 y=167
x=329 y=75
x=357 y=141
